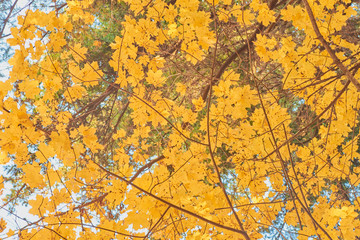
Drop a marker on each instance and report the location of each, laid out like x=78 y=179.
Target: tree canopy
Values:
x=183 y=119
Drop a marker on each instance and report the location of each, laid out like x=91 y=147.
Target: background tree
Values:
x=184 y=119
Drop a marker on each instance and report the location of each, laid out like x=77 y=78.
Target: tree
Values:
x=10 y=9
x=184 y=119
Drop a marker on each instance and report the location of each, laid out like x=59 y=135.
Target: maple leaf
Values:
x=2 y=224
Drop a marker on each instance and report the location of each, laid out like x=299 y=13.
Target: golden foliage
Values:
x=199 y=120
